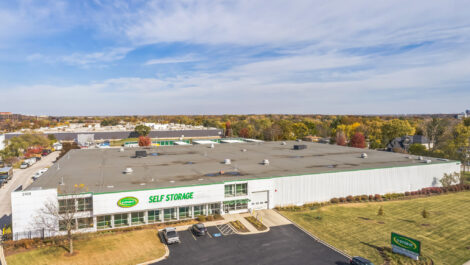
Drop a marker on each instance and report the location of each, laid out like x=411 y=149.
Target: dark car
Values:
x=46 y=152
x=199 y=229
x=360 y=261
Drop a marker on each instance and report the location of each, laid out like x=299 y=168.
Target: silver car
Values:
x=170 y=235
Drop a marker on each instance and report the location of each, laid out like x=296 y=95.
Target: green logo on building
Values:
x=407 y=243
x=127 y=202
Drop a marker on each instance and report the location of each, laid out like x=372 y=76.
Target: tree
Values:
x=61 y=216
x=244 y=132
x=300 y=130
x=396 y=128
x=417 y=149
x=51 y=137
x=144 y=141
x=434 y=130
x=358 y=140
x=142 y=130
x=340 y=139
x=450 y=179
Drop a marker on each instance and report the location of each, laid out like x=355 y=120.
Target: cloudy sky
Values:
x=214 y=57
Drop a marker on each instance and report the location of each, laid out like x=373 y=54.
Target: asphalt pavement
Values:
x=20 y=177
x=284 y=244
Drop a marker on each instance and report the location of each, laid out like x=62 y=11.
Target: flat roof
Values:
x=102 y=170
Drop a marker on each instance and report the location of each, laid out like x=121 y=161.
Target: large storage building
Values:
x=113 y=188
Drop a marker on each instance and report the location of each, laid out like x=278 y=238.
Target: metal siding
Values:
x=297 y=190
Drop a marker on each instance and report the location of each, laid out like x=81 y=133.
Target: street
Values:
x=20 y=177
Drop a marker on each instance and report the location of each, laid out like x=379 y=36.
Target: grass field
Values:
x=121 y=142
x=121 y=249
x=357 y=229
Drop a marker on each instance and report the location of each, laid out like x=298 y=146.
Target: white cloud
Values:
x=173 y=60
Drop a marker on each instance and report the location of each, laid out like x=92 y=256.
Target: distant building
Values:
x=463 y=115
x=2 y=141
x=13 y=117
x=404 y=142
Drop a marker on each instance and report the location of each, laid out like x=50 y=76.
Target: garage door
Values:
x=259 y=200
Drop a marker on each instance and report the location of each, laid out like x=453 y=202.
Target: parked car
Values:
x=170 y=235
x=360 y=261
x=24 y=165
x=45 y=152
x=199 y=229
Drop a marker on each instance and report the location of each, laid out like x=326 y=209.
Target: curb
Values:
x=167 y=253
x=316 y=238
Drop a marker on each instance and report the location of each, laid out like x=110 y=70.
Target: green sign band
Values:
x=127 y=202
x=407 y=243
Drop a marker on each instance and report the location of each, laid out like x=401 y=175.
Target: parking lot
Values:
x=281 y=245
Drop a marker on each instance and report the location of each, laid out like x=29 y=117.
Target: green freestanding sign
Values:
x=406 y=246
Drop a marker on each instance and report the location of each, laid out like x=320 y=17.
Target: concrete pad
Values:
x=271 y=218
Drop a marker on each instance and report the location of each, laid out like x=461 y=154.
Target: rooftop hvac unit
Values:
x=227 y=161
x=121 y=149
x=363 y=155
x=140 y=153
x=420 y=158
x=212 y=145
x=265 y=162
x=283 y=143
x=428 y=161
x=128 y=170
x=300 y=146
x=243 y=150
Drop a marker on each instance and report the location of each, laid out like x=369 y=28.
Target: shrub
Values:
x=380 y=212
x=424 y=213
x=357 y=198
x=201 y=218
x=371 y=197
x=349 y=198
x=334 y=200
x=342 y=199
x=364 y=197
x=377 y=197
x=407 y=193
x=210 y=218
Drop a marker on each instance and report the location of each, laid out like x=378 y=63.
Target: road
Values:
x=20 y=177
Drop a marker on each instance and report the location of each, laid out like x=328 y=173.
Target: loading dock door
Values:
x=259 y=200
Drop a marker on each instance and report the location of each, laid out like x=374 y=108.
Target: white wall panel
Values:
x=26 y=206
x=297 y=190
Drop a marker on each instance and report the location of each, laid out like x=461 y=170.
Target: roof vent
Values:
x=212 y=145
x=265 y=162
x=363 y=155
x=227 y=161
x=420 y=158
x=128 y=170
x=283 y=143
x=428 y=161
x=300 y=146
x=141 y=153
x=243 y=150
x=121 y=149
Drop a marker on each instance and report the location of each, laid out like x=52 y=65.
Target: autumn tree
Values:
x=144 y=141
x=142 y=130
x=396 y=128
x=358 y=140
x=340 y=139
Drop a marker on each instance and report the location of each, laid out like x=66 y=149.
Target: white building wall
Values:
x=298 y=190
x=26 y=207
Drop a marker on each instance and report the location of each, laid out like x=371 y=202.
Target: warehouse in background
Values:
x=112 y=188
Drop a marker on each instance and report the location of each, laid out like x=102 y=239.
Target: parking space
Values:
x=281 y=245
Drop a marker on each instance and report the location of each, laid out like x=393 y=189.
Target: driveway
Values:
x=284 y=244
x=20 y=177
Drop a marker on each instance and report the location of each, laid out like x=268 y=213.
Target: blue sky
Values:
x=214 y=57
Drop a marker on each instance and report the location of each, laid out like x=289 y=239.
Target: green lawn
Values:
x=358 y=230
x=466 y=177
x=121 y=142
x=119 y=248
